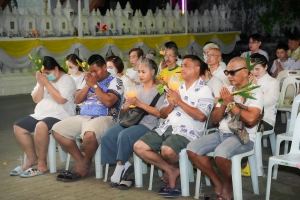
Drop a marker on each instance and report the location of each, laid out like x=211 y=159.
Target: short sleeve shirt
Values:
x=288 y=64
x=147 y=97
x=215 y=84
x=48 y=107
x=258 y=103
x=199 y=96
x=262 y=52
x=79 y=81
x=295 y=55
x=95 y=108
x=167 y=74
x=219 y=73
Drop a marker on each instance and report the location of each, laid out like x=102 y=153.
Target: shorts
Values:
x=73 y=126
x=174 y=141
x=29 y=123
x=223 y=145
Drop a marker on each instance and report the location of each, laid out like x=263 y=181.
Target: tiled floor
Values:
x=46 y=187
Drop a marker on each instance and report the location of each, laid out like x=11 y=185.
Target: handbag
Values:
x=134 y=115
x=238 y=127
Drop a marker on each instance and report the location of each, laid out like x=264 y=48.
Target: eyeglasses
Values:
x=168 y=56
x=212 y=55
x=232 y=72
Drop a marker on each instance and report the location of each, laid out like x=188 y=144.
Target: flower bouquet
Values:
x=244 y=92
x=84 y=65
x=37 y=61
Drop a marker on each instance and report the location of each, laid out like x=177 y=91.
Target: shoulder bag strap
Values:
x=155 y=100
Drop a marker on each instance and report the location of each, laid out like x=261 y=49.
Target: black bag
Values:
x=135 y=115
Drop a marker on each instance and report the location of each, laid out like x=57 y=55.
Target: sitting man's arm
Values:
x=203 y=108
x=165 y=111
x=80 y=95
x=218 y=113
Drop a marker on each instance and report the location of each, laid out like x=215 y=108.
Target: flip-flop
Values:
x=173 y=193
x=31 y=173
x=62 y=175
x=129 y=170
x=72 y=177
x=126 y=184
x=223 y=198
x=163 y=190
x=17 y=171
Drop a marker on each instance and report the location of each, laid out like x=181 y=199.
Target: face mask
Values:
x=206 y=80
x=51 y=77
x=111 y=71
x=73 y=71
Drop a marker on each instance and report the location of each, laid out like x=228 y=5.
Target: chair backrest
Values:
x=291 y=80
x=296 y=137
x=285 y=73
x=294 y=113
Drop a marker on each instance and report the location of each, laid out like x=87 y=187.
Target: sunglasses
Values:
x=232 y=72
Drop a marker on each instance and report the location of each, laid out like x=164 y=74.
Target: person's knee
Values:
x=41 y=127
x=139 y=146
x=89 y=136
x=168 y=153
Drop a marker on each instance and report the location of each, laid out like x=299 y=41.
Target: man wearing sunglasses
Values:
x=214 y=56
x=224 y=143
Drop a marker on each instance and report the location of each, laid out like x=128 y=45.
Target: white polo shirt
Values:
x=262 y=52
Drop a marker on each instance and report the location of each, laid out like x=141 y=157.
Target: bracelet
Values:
x=230 y=106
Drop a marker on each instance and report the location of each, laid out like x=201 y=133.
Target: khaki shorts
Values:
x=78 y=125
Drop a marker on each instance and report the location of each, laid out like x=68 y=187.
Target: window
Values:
x=141 y=24
x=47 y=25
x=163 y=24
x=12 y=25
x=63 y=25
x=111 y=25
x=30 y=25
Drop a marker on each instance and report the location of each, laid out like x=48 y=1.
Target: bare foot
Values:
x=30 y=163
x=226 y=194
x=165 y=178
x=173 y=177
x=42 y=166
x=83 y=167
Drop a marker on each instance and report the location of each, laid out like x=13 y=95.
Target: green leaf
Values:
x=161 y=91
x=220 y=100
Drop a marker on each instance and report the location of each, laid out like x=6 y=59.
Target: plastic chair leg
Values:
x=159 y=171
x=62 y=154
x=24 y=159
x=68 y=161
x=98 y=166
x=191 y=171
x=138 y=171
x=269 y=180
x=237 y=177
x=184 y=173
x=275 y=170
x=286 y=147
x=106 y=172
x=151 y=177
x=273 y=143
x=52 y=154
x=265 y=141
x=197 y=187
x=258 y=154
x=283 y=117
x=145 y=168
x=207 y=181
x=254 y=178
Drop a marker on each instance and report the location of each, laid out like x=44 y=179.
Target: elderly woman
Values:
x=54 y=95
x=117 y=142
x=270 y=88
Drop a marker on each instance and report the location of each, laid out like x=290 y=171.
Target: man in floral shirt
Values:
x=186 y=111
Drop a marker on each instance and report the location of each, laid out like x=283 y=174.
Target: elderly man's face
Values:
x=236 y=73
x=213 y=57
x=189 y=69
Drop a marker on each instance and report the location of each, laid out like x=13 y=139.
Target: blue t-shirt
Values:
x=94 y=108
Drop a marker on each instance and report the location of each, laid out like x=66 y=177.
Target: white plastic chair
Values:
x=236 y=175
x=52 y=154
x=284 y=105
x=258 y=150
x=291 y=159
x=98 y=166
x=288 y=136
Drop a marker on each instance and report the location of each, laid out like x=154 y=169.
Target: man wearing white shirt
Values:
x=214 y=56
x=294 y=48
x=224 y=143
x=254 y=44
x=186 y=111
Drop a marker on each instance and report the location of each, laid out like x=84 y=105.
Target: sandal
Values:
x=63 y=175
x=31 y=173
x=173 y=193
x=17 y=171
x=126 y=184
x=113 y=184
x=213 y=196
x=163 y=190
x=72 y=177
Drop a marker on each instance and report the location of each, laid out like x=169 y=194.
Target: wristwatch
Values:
x=95 y=86
x=230 y=106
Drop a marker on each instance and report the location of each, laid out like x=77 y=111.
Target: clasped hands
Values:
x=226 y=96
x=90 y=79
x=41 y=78
x=173 y=96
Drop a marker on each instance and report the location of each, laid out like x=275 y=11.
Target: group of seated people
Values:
x=186 y=110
